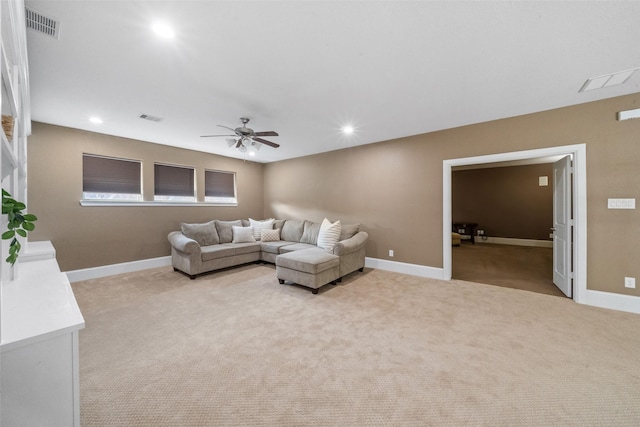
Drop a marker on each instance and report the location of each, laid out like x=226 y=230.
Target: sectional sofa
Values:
x=202 y=248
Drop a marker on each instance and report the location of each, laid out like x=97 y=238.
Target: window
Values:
x=174 y=183
x=108 y=178
x=220 y=187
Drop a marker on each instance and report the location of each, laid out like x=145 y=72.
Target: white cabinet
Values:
x=39 y=370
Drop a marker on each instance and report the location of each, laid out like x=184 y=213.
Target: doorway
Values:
x=579 y=233
x=512 y=203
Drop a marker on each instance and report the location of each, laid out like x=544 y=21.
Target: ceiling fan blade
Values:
x=209 y=136
x=227 y=127
x=266 y=133
x=239 y=144
x=265 y=142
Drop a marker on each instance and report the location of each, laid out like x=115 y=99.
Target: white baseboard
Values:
x=515 y=242
x=404 y=268
x=110 y=270
x=600 y=299
x=613 y=301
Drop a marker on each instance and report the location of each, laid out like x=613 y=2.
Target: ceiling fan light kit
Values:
x=247 y=139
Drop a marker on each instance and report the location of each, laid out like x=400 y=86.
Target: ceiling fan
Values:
x=246 y=139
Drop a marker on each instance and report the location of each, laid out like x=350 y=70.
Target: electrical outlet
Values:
x=630 y=282
x=391 y=253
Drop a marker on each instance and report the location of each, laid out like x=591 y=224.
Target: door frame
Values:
x=579 y=257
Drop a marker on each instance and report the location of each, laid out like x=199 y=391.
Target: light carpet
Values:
x=235 y=348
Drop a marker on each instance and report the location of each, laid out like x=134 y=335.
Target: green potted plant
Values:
x=19 y=224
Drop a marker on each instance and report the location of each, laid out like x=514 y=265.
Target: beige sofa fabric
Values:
x=194 y=258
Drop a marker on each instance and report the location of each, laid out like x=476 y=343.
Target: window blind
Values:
x=219 y=184
x=110 y=175
x=174 y=180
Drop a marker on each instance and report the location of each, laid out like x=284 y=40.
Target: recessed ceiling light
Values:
x=163 y=30
x=95 y=120
x=347 y=130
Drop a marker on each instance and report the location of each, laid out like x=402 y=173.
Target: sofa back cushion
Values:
x=310 y=233
x=205 y=234
x=225 y=232
x=292 y=230
x=348 y=231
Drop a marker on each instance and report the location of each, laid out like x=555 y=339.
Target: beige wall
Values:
x=505 y=201
x=394 y=188
x=95 y=236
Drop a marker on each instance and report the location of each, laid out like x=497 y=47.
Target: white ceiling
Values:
x=307 y=68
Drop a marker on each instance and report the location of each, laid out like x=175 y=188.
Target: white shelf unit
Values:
x=39 y=316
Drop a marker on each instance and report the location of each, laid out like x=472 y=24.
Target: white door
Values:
x=562 y=236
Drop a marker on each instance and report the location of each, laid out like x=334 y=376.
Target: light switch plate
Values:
x=621 y=203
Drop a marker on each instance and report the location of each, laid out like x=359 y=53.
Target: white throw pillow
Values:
x=258 y=226
x=243 y=234
x=272 y=235
x=329 y=234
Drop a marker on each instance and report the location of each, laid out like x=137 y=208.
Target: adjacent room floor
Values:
x=517 y=267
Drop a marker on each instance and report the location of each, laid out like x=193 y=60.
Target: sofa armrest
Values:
x=351 y=244
x=182 y=243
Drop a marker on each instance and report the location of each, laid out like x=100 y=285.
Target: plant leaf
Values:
x=29 y=226
x=11 y=259
x=8 y=234
x=21 y=232
x=30 y=217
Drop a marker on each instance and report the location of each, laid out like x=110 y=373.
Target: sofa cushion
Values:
x=292 y=246
x=292 y=230
x=279 y=223
x=225 y=232
x=246 y=248
x=274 y=247
x=329 y=234
x=205 y=234
x=312 y=261
x=217 y=251
x=347 y=231
x=310 y=233
x=272 y=235
x=242 y=234
x=258 y=226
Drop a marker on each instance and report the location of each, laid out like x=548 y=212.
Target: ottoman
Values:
x=313 y=268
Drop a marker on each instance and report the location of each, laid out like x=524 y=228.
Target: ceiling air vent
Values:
x=41 y=23
x=151 y=118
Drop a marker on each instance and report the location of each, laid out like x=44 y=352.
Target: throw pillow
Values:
x=242 y=234
x=225 y=232
x=205 y=234
x=270 y=235
x=258 y=226
x=329 y=234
